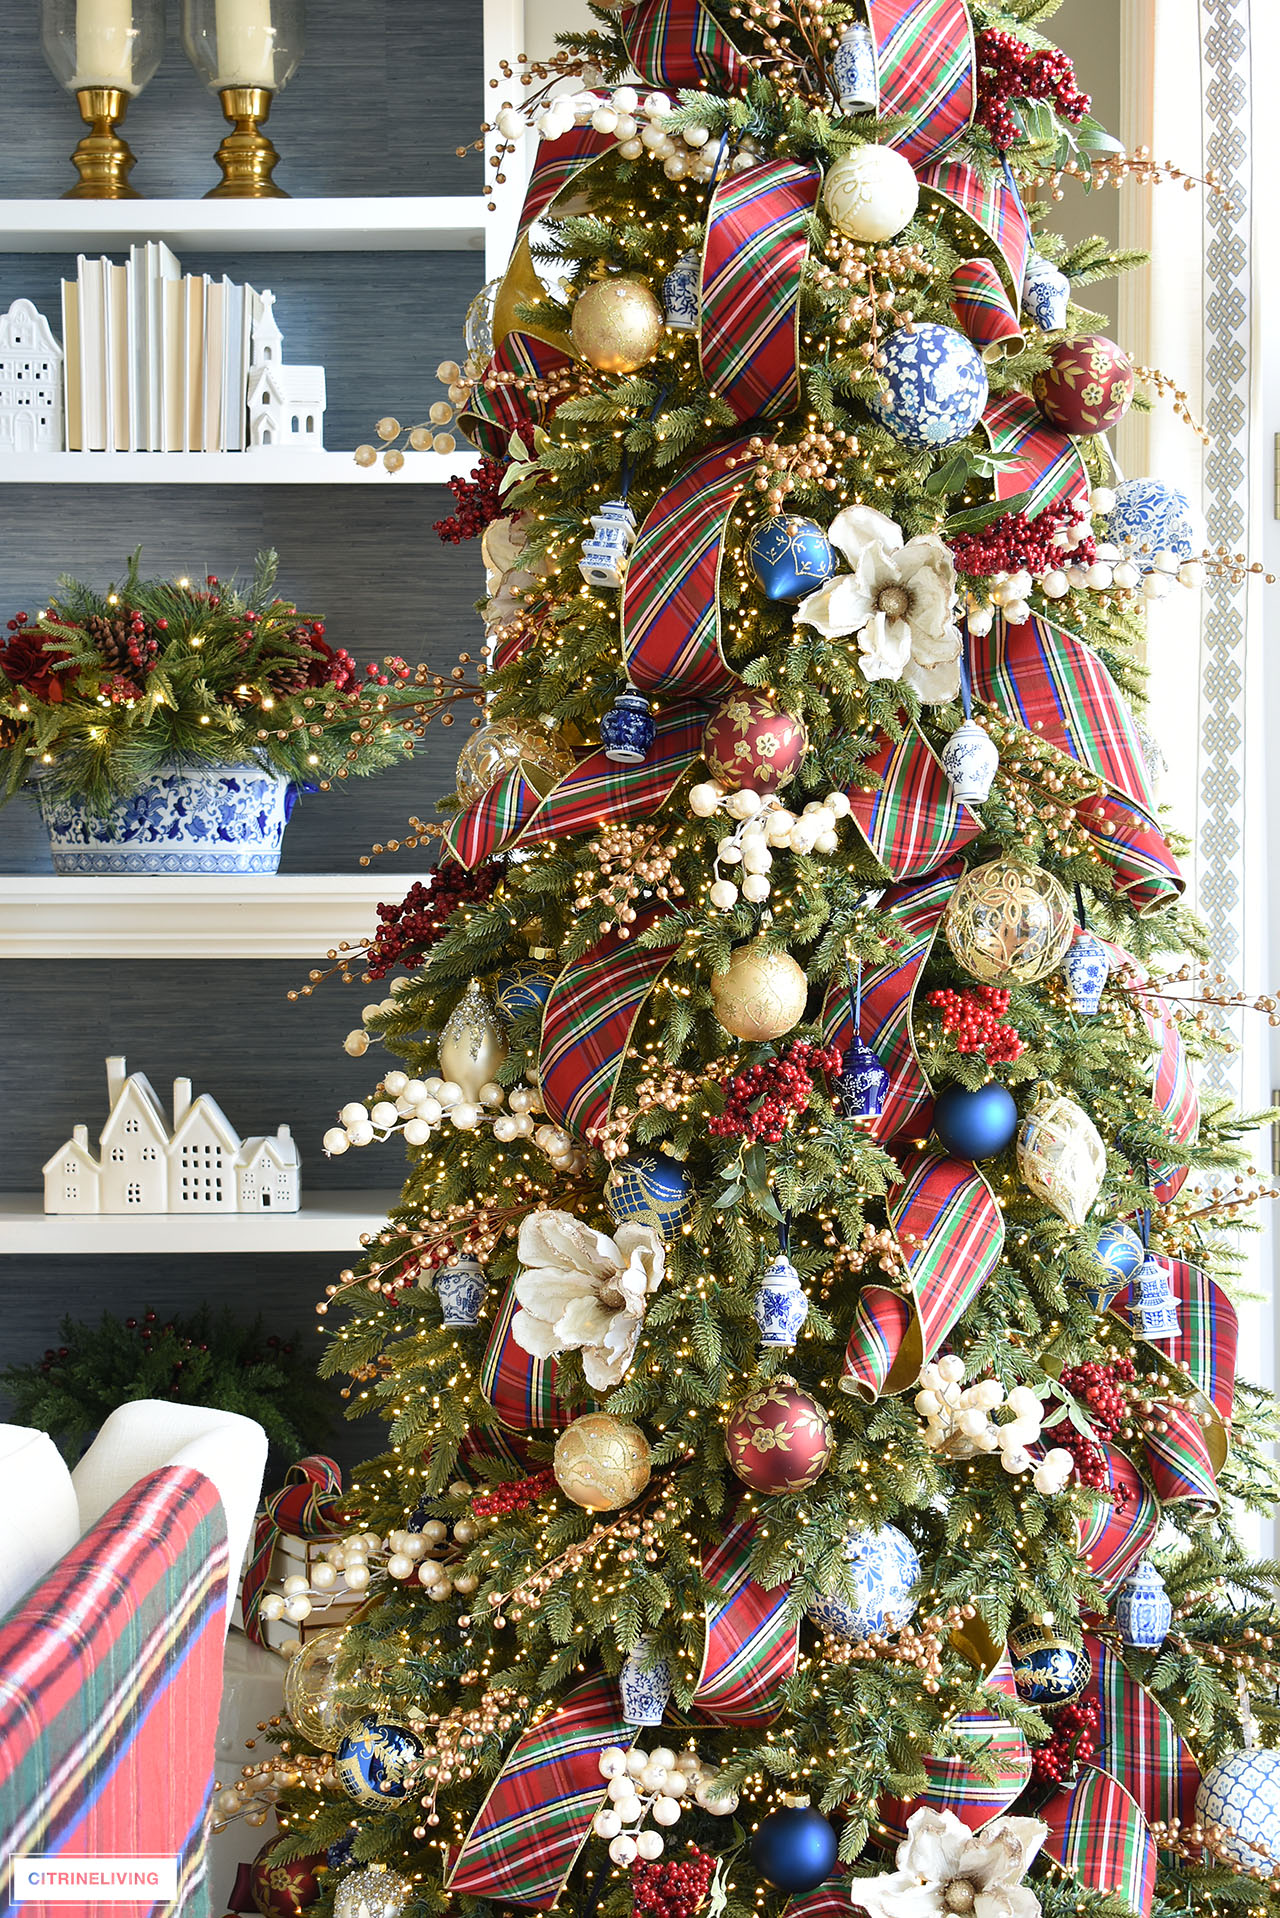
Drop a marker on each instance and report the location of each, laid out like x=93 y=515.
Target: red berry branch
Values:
x=1015 y=544
x=1074 y=1742
x=1008 y=70
x=479 y=502
x=516 y=1496
x=671 y=1887
x=974 y=1016
x=422 y=916
x=760 y=1102
x=1098 y=1389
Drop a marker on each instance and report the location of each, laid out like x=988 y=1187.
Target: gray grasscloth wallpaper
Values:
x=385 y=93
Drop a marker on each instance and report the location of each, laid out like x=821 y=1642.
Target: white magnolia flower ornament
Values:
x=583 y=1291
x=900 y=601
x=947 y=1871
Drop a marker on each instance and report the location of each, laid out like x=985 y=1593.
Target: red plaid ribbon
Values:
x=951 y=1230
x=537 y=1817
x=677 y=43
x=522 y=1389
x=1124 y=1521
x=555 y=164
x=598 y=790
x=670 y=610
x=756 y=246
x=491 y=417
x=959 y=1784
x=926 y=57
x=1185 y=1458
x=991 y=205
x=1098 y=1833
x=912 y=821
x=1127 y=839
x=1174 y=1097
x=309 y=1505
x=751 y=1648
x=982 y=307
x=495 y=819
x=1044 y=462
x=1138 y=1742
x=588 y=1021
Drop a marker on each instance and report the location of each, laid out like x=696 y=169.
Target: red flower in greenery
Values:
x=330 y=665
x=26 y=663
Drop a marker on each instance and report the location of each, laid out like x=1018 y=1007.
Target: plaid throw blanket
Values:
x=110 y=1680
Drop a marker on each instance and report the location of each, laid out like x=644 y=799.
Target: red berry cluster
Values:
x=1097 y=1387
x=1074 y=1742
x=760 y=1101
x=1015 y=543
x=422 y=916
x=974 y=1016
x=672 y=1887
x=479 y=502
x=517 y=1496
x=1008 y=69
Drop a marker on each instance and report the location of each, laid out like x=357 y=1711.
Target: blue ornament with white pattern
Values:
x=461 y=1288
x=935 y=386
x=645 y=1684
x=682 y=294
x=1240 y=1795
x=627 y=730
x=1047 y=1670
x=862 y=1083
x=1148 y=518
x=1046 y=293
x=854 y=70
x=523 y=987
x=1120 y=1249
x=1153 y=1309
x=1086 y=970
x=790 y=556
x=884 y=1571
x=781 y=1305
x=377 y=1761
x=1144 y=1612
x=650 y=1188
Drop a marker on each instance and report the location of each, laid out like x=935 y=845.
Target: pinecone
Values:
x=287 y=676
x=111 y=635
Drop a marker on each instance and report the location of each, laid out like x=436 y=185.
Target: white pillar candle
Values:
x=104 y=44
x=246 y=43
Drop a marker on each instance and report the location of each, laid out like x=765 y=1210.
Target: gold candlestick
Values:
x=246 y=155
x=102 y=158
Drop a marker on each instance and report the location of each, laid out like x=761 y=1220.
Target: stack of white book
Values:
x=155 y=360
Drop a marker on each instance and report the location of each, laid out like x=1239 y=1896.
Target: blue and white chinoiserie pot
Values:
x=1086 y=970
x=781 y=1304
x=681 y=294
x=1144 y=1612
x=461 y=1289
x=184 y=819
x=645 y=1684
x=853 y=68
x=627 y=730
x=1046 y=294
x=971 y=759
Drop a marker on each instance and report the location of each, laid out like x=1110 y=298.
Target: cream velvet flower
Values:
x=581 y=1290
x=947 y=1871
x=899 y=599
x=502 y=544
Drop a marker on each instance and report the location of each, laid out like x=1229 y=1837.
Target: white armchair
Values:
x=42 y=1520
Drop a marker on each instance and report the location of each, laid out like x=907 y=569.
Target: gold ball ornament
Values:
x=601 y=1462
x=474 y=1043
x=871 y=194
x=1008 y=924
x=618 y=324
x=498 y=748
x=762 y=994
x=311 y=1695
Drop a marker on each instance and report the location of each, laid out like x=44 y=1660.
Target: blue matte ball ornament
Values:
x=975 y=1125
x=523 y=987
x=650 y=1188
x=376 y=1762
x=794 y=1849
x=789 y=556
x=935 y=386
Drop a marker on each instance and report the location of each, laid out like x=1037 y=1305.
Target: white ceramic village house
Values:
x=30 y=382
x=202 y=1165
x=286 y=403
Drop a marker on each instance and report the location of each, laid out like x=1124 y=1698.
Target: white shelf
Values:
x=298 y=916
x=411 y=224
x=261 y=466
x=329 y=1222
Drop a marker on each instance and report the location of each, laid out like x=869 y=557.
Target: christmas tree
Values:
x=804 y=1334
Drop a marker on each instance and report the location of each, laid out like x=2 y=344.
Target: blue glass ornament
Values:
x=1086 y=970
x=376 y=1762
x=935 y=386
x=781 y=1305
x=794 y=1849
x=789 y=556
x=337 y=1854
x=523 y=987
x=975 y=1125
x=1046 y=294
x=1047 y=1670
x=853 y=68
x=1241 y=1795
x=627 y=730
x=681 y=294
x=1153 y=1310
x=650 y=1188
x=884 y=1570
x=1120 y=1249
x=1150 y=517
x=645 y=1684
x=1144 y=1611
x=461 y=1289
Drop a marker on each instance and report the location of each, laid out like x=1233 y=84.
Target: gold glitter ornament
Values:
x=618 y=324
x=473 y=1044
x=371 y=1891
x=498 y=748
x=762 y=994
x=311 y=1695
x=1061 y=1158
x=1009 y=925
x=601 y=1462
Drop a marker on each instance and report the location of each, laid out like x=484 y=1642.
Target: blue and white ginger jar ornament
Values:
x=1086 y=970
x=645 y=1684
x=935 y=386
x=681 y=294
x=376 y=1762
x=853 y=68
x=1120 y=1249
x=1153 y=1310
x=650 y=1188
x=627 y=730
x=884 y=1570
x=461 y=1288
x=187 y=819
x=605 y=554
x=1047 y=1670
x=862 y=1083
x=1144 y=1612
x=789 y=556
x=1149 y=518
x=523 y=987
x=1046 y=294
x=781 y=1305
x=1240 y=1795
x=970 y=759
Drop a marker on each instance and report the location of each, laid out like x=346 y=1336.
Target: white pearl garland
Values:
x=652 y=1783
x=635 y=125
x=350 y=1565
x=958 y=1423
x=764 y=826
x=421 y=1107
x=1110 y=571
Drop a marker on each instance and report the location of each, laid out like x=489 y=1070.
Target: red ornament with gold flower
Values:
x=748 y=742
x=284 y=1891
x=1088 y=385
x=779 y=1438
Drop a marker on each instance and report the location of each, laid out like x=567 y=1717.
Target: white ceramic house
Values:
x=201 y=1165
x=286 y=403
x=30 y=382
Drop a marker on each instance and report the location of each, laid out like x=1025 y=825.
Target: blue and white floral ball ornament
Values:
x=884 y=1570
x=935 y=386
x=1240 y=1795
x=1149 y=518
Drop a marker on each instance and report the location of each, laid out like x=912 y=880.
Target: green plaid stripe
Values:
x=1043 y=461
x=1178 y=1461
x=489 y=822
x=952 y=1231
x=982 y=307
x=957 y=1785
x=677 y=43
x=1124 y=1521
x=588 y=1020
x=598 y=790
x=912 y=821
x=989 y=205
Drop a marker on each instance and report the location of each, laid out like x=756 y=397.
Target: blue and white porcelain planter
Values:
x=186 y=819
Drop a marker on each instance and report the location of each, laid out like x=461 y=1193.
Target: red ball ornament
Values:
x=284 y=1891
x=1088 y=385
x=779 y=1438
x=748 y=742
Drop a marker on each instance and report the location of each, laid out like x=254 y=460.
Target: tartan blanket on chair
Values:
x=110 y=1681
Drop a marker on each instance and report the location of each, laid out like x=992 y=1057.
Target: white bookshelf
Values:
x=327 y=1222
x=408 y=224
x=295 y=916
x=260 y=466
